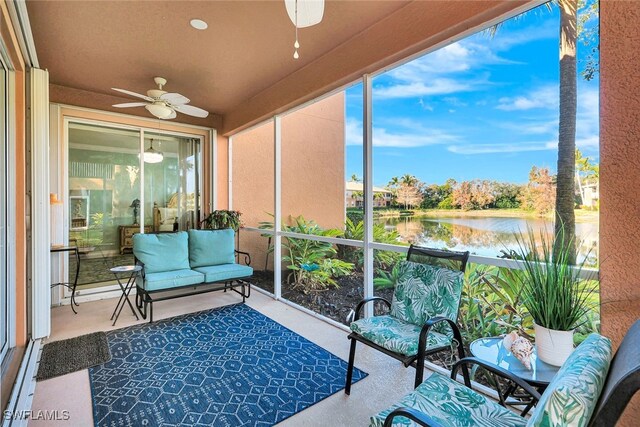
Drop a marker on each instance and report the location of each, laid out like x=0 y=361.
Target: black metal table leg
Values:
x=71 y=286
x=126 y=290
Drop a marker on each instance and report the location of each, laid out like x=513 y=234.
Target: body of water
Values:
x=486 y=236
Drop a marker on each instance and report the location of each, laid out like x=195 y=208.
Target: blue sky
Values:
x=480 y=108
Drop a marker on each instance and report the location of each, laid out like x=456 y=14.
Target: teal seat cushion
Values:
x=171 y=279
x=572 y=395
x=451 y=404
x=220 y=273
x=211 y=247
x=162 y=252
x=424 y=291
x=397 y=335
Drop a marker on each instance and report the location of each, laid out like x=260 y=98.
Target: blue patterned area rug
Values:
x=230 y=366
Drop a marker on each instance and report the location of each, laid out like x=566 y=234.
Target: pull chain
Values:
x=296 y=45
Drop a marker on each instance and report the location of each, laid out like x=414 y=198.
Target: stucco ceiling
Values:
x=248 y=47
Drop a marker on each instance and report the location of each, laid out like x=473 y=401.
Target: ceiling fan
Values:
x=162 y=104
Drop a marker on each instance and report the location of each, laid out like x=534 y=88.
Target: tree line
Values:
x=537 y=195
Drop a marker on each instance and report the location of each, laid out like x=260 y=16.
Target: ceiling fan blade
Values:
x=130 y=104
x=175 y=98
x=170 y=116
x=190 y=110
x=137 y=95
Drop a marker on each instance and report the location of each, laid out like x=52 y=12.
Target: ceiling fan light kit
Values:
x=151 y=155
x=162 y=104
x=159 y=110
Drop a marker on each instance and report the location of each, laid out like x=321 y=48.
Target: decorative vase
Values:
x=553 y=347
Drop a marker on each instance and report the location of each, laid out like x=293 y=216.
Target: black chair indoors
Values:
x=423 y=314
x=590 y=389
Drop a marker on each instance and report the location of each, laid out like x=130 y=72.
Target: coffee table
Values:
x=492 y=351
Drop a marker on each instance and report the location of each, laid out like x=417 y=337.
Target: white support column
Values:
x=367 y=153
x=40 y=233
x=230 y=169
x=142 y=182
x=56 y=185
x=213 y=171
x=277 y=217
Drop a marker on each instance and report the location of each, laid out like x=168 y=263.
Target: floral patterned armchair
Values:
x=422 y=315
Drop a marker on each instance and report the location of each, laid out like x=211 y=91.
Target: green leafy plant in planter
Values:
x=553 y=291
x=220 y=219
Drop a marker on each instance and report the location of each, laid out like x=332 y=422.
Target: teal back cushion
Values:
x=162 y=252
x=211 y=247
x=573 y=393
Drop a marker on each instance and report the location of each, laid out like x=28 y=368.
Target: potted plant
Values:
x=220 y=219
x=553 y=292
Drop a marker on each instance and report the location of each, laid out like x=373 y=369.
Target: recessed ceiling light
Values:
x=199 y=24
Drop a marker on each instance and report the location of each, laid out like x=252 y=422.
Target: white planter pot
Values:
x=553 y=347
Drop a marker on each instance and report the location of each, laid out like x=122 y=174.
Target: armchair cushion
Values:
x=162 y=252
x=424 y=291
x=451 y=404
x=573 y=393
x=211 y=247
x=397 y=335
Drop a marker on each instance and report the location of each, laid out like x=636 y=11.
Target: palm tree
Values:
x=565 y=188
x=408 y=179
x=355 y=178
x=565 y=184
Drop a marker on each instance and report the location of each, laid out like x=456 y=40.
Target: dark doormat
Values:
x=66 y=356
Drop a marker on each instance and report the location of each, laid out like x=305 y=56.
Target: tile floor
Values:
x=388 y=380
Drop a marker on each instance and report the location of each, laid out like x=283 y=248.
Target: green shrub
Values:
x=447 y=203
x=220 y=219
x=311 y=263
x=507 y=203
x=381 y=259
x=355 y=215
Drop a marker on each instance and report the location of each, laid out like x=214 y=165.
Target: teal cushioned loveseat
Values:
x=187 y=260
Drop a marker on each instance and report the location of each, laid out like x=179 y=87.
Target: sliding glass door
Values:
x=123 y=181
x=104 y=189
x=171 y=187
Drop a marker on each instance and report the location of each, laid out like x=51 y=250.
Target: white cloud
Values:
x=588 y=119
x=439 y=86
x=353 y=132
x=448 y=70
x=531 y=126
x=454 y=101
x=411 y=135
x=516 y=147
x=545 y=97
x=505 y=40
x=442 y=72
x=424 y=105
